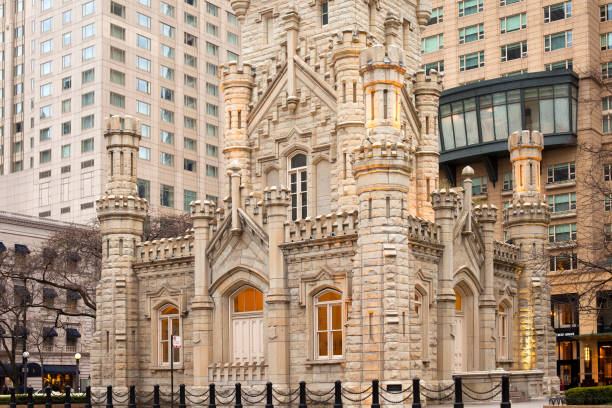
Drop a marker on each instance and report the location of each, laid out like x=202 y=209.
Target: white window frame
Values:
x=160 y=342
x=298 y=206
x=330 y=343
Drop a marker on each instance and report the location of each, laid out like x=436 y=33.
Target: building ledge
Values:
x=562 y=184
x=325 y=362
x=563 y=214
x=166 y=368
x=506 y=193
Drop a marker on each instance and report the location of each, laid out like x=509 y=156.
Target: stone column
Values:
x=202 y=212
x=292 y=21
x=233 y=172
x=276 y=200
x=444 y=204
x=486 y=217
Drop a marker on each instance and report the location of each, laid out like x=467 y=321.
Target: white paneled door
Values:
x=247 y=338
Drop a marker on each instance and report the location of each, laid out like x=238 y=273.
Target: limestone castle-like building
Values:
x=336 y=254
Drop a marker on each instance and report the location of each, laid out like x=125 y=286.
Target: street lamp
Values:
x=77 y=357
x=24 y=368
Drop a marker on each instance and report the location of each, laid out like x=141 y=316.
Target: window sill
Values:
x=506 y=193
x=481 y=196
x=561 y=184
x=563 y=214
x=505 y=360
x=325 y=362
x=166 y=368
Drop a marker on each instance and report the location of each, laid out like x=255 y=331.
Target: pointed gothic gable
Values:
x=307 y=78
x=228 y=250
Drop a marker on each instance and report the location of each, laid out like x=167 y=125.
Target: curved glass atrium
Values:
x=476 y=119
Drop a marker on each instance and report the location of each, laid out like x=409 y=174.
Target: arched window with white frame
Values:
x=503 y=329
x=247 y=325
x=328 y=325
x=169 y=325
x=298 y=183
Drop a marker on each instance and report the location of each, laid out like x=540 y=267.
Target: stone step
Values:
x=517 y=396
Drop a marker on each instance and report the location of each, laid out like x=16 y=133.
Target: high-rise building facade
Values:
x=539 y=65
x=68 y=64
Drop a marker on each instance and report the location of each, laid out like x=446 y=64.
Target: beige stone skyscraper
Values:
x=67 y=64
x=540 y=65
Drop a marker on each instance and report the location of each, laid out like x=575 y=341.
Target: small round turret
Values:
x=525 y=155
x=122 y=135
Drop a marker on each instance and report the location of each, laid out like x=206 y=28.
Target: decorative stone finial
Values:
x=467 y=171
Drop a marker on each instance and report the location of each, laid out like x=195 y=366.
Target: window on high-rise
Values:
x=143 y=85
x=117 y=100
x=166 y=115
x=45 y=156
x=166 y=137
x=566 y=64
x=212 y=9
x=212 y=171
x=166 y=72
x=167 y=94
x=67 y=17
x=145 y=131
x=87 y=122
x=117 y=9
x=561 y=172
x=117 y=77
x=46 y=25
x=87 y=145
x=190 y=123
x=438 y=66
x=189 y=143
x=188 y=197
x=88 y=76
x=190 y=40
x=167 y=9
x=212 y=150
x=471 y=61
x=506 y=2
x=190 y=81
x=143 y=108
x=606 y=109
x=557 y=11
x=89 y=8
x=470 y=34
x=190 y=60
x=88 y=31
x=212 y=29
x=433 y=43
x=87 y=99
x=605 y=12
x=144 y=153
x=190 y=19
x=232 y=19
x=606 y=41
x=143 y=64
x=117 y=54
x=146 y=3
x=46 y=4
x=167 y=51
x=143 y=20
x=143 y=42
x=144 y=189
x=562 y=202
x=436 y=16
x=189 y=165
x=167 y=30
x=232 y=38
x=45 y=112
x=558 y=41
x=166 y=159
x=88 y=53
x=232 y=56
x=479 y=185
x=166 y=196
x=562 y=232
x=513 y=23
x=469 y=7
x=212 y=130
x=190 y=102
x=514 y=51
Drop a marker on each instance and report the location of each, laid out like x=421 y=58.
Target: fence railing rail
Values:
x=302 y=396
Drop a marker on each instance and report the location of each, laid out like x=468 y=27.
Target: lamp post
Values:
x=77 y=357
x=24 y=368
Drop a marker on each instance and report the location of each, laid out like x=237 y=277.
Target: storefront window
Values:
x=605 y=363
x=604 y=311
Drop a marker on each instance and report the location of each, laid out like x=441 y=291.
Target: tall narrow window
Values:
x=247 y=325
x=328 y=325
x=502 y=333
x=298 y=180
x=268 y=28
x=324 y=13
x=169 y=325
x=385 y=103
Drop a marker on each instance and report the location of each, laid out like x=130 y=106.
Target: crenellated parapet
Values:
x=446 y=199
x=165 y=249
x=423 y=12
x=323 y=226
x=485 y=214
x=504 y=252
x=423 y=230
x=370 y=159
x=525 y=149
x=526 y=212
x=122 y=137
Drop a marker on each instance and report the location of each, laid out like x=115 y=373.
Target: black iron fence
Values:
x=270 y=397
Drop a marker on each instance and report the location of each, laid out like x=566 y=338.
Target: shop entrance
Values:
x=605 y=363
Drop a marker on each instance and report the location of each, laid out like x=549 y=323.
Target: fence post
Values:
x=458 y=392
x=48 y=401
x=338 y=394
x=182 y=403
x=269 y=403
x=109 y=396
x=302 y=403
x=13 y=403
x=212 y=399
x=238 y=396
x=375 y=396
x=67 y=399
x=505 y=392
x=416 y=393
x=30 y=397
x=132 y=397
x=156 y=396
x=88 y=397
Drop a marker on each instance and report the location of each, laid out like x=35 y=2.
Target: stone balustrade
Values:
x=505 y=252
x=236 y=372
x=421 y=229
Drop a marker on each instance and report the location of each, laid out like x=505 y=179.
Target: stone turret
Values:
x=527 y=219
x=237 y=82
x=423 y=11
x=121 y=213
x=427 y=90
x=350 y=120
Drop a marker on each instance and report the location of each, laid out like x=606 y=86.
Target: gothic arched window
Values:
x=503 y=326
x=328 y=325
x=247 y=325
x=169 y=325
x=298 y=182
